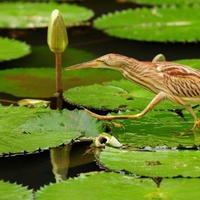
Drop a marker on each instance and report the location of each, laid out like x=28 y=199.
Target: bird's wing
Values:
x=182 y=81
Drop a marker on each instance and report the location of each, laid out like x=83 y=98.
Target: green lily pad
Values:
x=12 y=49
x=40 y=82
x=14 y=191
x=30 y=15
x=28 y=129
x=64 y=121
x=114 y=95
x=166 y=2
x=157 y=128
x=105 y=186
x=28 y=81
x=165 y=24
x=161 y=163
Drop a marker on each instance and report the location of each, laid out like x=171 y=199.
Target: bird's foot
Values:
x=117 y=125
x=193 y=129
x=100 y=117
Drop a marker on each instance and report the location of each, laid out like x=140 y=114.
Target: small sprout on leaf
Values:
x=106 y=139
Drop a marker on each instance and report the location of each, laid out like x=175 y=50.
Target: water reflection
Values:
x=42 y=167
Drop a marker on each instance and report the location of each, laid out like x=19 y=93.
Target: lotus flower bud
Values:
x=57 y=38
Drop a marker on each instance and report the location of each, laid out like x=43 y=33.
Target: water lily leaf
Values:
x=40 y=82
x=165 y=24
x=12 y=49
x=130 y=188
x=157 y=128
x=14 y=191
x=161 y=163
x=90 y=187
x=165 y=2
x=114 y=95
x=30 y=15
x=27 y=81
x=65 y=121
x=41 y=128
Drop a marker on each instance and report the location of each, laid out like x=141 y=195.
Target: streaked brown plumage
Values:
x=178 y=83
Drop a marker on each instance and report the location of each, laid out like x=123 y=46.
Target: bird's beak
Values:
x=90 y=64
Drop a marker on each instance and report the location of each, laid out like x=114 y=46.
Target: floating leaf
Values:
x=114 y=95
x=40 y=82
x=105 y=186
x=99 y=186
x=157 y=128
x=30 y=15
x=161 y=163
x=26 y=81
x=14 y=191
x=66 y=121
x=165 y=2
x=165 y=24
x=12 y=49
x=28 y=129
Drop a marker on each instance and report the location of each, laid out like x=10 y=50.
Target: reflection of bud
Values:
x=57 y=34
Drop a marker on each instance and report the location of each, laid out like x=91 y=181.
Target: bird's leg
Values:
x=156 y=100
x=196 y=120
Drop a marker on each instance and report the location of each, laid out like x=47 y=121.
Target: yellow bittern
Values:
x=175 y=82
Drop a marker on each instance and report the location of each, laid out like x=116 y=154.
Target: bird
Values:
x=167 y=80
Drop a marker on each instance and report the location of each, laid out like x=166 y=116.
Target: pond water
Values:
x=22 y=167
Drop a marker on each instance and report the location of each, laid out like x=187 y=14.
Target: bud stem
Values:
x=59 y=89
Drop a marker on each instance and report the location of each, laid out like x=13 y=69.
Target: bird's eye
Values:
x=103 y=61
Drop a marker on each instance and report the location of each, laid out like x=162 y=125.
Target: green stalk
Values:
x=57 y=40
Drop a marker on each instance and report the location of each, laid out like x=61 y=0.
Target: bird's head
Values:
x=110 y=61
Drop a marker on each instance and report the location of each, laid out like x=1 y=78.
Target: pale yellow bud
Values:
x=57 y=38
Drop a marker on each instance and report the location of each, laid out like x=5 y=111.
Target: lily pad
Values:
x=30 y=15
x=157 y=128
x=165 y=24
x=160 y=163
x=40 y=82
x=12 y=49
x=14 y=191
x=105 y=186
x=114 y=95
x=28 y=81
x=166 y=2
x=28 y=129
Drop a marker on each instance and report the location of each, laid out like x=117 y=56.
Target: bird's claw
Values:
x=117 y=125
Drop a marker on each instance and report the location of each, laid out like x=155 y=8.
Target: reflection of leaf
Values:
x=161 y=163
x=164 y=24
x=14 y=191
x=105 y=186
x=28 y=129
x=166 y=2
x=12 y=49
x=30 y=15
